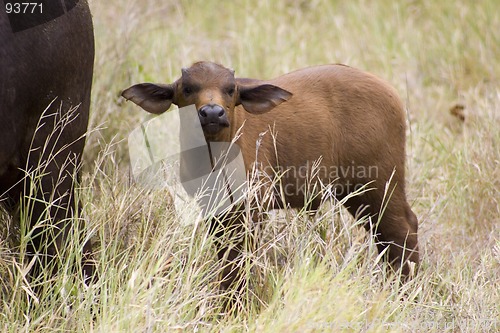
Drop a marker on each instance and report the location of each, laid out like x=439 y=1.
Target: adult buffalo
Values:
x=347 y=122
x=46 y=68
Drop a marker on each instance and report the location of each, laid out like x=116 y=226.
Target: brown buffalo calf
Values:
x=348 y=121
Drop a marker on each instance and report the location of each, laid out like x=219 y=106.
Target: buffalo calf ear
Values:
x=154 y=98
x=261 y=98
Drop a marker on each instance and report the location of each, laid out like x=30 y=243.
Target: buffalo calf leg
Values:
x=229 y=233
x=394 y=227
x=399 y=233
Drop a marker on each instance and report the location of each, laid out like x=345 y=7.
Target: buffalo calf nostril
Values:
x=211 y=112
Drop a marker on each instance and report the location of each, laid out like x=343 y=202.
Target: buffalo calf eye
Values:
x=187 y=90
x=230 y=91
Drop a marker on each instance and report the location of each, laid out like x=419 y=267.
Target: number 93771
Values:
x=13 y=7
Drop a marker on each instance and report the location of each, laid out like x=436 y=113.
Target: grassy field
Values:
x=157 y=267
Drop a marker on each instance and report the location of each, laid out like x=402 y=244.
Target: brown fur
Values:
x=341 y=115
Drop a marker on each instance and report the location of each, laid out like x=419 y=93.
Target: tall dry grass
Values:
x=308 y=275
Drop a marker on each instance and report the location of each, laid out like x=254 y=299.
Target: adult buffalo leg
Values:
x=49 y=195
